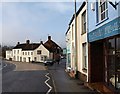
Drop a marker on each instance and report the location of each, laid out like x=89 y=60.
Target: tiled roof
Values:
x=51 y=45
x=25 y=46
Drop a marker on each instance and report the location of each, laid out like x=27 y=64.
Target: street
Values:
x=25 y=77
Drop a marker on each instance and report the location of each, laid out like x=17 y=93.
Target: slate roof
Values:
x=25 y=46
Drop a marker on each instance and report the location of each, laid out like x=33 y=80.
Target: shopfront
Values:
x=112 y=62
x=104 y=55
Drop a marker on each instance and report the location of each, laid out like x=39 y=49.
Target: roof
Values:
x=83 y=4
x=51 y=45
x=25 y=46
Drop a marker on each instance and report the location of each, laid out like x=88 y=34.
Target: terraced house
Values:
x=97 y=60
x=37 y=52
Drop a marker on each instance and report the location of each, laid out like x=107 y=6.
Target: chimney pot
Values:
x=18 y=43
x=27 y=41
x=49 y=37
x=41 y=42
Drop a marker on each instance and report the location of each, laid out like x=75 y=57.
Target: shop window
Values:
x=113 y=62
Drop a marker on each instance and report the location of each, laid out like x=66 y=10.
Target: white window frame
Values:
x=84 y=22
x=105 y=10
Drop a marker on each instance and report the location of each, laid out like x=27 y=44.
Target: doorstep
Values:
x=99 y=87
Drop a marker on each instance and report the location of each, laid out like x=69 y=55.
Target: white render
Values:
x=8 y=54
x=44 y=52
x=28 y=55
x=81 y=38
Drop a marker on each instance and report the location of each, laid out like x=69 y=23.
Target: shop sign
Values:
x=110 y=29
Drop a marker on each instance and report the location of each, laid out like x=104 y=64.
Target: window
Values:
x=102 y=10
x=14 y=52
x=28 y=53
x=35 y=58
x=31 y=53
x=72 y=32
x=112 y=60
x=23 y=53
x=84 y=56
x=39 y=51
x=18 y=51
x=84 y=22
x=42 y=58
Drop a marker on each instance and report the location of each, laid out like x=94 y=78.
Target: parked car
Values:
x=49 y=62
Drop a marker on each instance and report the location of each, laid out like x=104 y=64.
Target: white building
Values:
x=37 y=52
x=78 y=64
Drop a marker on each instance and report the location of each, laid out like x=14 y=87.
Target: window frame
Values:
x=84 y=23
x=39 y=52
x=84 y=52
x=102 y=10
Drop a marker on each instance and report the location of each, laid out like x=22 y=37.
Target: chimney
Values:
x=41 y=42
x=18 y=43
x=49 y=37
x=27 y=41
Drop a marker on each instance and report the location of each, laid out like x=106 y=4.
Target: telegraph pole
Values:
x=75 y=41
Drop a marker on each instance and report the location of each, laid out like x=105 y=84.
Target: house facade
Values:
x=104 y=43
x=81 y=68
x=98 y=45
x=37 y=52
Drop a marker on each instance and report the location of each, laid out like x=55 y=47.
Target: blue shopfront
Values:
x=104 y=55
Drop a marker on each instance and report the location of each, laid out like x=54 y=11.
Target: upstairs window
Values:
x=84 y=22
x=102 y=10
x=39 y=51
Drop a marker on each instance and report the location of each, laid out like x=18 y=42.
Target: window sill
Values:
x=102 y=21
x=83 y=33
x=84 y=70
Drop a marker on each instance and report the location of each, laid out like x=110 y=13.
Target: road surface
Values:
x=25 y=77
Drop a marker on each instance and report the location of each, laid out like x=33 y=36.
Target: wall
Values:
x=8 y=54
x=44 y=52
x=81 y=38
x=27 y=55
x=112 y=14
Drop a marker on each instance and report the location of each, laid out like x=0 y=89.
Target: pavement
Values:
x=63 y=83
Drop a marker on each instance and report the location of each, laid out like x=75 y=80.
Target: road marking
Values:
x=3 y=66
x=47 y=83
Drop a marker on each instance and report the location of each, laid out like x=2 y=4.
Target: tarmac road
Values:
x=24 y=77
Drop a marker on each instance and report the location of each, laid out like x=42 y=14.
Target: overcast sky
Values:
x=34 y=21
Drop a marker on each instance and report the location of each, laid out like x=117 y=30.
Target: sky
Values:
x=34 y=21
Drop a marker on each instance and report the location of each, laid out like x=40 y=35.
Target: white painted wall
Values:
x=27 y=56
x=81 y=38
x=44 y=52
x=17 y=53
x=8 y=54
